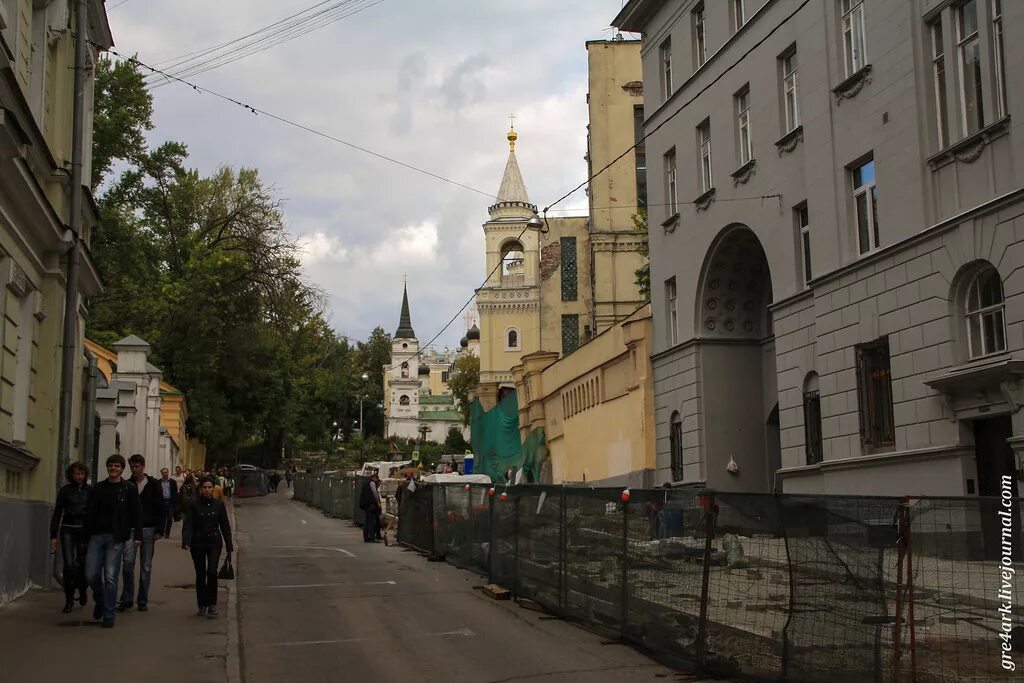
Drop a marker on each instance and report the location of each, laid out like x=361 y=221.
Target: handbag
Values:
x=227 y=570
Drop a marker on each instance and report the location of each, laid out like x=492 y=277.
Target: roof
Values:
x=132 y=340
x=441 y=415
x=405 y=330
x=437 y=400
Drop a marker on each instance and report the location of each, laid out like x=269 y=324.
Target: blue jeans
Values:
x=103 y=563
x=130 y=553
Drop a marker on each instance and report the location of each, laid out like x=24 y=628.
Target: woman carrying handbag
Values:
x=205 y=533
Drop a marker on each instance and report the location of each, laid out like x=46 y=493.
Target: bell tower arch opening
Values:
x=736 y=346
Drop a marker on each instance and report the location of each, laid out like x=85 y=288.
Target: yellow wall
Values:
x=613 y=194
x=552 y=306
x=596 y=405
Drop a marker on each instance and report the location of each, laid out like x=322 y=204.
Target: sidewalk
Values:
x=167 y=643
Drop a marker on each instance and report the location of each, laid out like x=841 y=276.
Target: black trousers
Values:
x=73 y=546
x=205 y=561
x=371 y=527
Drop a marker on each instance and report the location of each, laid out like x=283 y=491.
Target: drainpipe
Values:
x=89 y=441
x=69 y=344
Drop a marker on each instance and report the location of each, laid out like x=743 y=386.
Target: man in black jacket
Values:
x=112 y=516
x=151 y=499
x=369 y=502
x=169 y=500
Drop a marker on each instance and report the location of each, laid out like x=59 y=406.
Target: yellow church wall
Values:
x=552 y=306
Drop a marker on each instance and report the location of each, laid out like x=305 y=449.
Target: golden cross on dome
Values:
x=512 y=120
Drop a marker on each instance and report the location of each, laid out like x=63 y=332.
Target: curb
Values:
x=233 y=655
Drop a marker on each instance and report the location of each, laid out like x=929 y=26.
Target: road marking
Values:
x=319 y=585
x=315 y=547
x=320 y=642
x=458 y=632
x=303 y=521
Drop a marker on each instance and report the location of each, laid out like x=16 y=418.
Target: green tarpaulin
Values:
x=495 y=440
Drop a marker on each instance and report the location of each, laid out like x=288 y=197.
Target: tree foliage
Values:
x=643 y=273
x=203 y=268
x=462 y=380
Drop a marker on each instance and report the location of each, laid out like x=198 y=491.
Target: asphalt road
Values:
x=318 y=604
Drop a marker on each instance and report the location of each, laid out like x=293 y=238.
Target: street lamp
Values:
x=365 y=377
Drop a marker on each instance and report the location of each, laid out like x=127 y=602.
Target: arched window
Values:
x=405 y=371
x=512 y=339
x=675 y=440
x=403 y=400
x=986 y=321
x=513 y=263
x=812 y=419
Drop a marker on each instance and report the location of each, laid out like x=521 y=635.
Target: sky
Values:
x=428 y=82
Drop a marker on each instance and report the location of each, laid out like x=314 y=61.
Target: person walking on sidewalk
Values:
x=152 y=531
x=113 y=515
x=169 y=500
x=188 y=494
x=68 y=521
x=369 y=501
x=205 y=533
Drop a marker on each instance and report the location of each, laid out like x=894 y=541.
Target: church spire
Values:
x=404 y=330
x=513 y=201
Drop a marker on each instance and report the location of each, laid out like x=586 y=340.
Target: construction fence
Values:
x=765 y=587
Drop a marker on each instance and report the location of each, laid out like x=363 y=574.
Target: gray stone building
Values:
x=837 y=241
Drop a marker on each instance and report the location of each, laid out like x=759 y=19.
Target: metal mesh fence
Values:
x=743 y=586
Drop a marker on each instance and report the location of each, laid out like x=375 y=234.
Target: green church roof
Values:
x=441 y=415
x=437 y=400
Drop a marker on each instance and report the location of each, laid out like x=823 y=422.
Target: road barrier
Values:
x=799 y=588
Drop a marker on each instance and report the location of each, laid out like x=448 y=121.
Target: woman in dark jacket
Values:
x=68 y=521
x=205 y=532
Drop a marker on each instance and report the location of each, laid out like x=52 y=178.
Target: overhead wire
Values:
x=607 y=166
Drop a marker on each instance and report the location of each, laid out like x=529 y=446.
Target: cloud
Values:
x=430 y=84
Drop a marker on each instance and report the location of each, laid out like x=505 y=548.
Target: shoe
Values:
x=68 y=606
x=211 y=612
x=201 y=612
x=124 y=606
x=143 y=608
x=108 y=623
x=97 y=611
x=82 y=599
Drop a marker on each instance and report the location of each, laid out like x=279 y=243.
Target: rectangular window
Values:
x=641 y=156
x=704 y=145
x=969 y=59
x=803 y=224
x=790 y=88
x=570 y=275
x=744 y=142
x=444 y=376
x=675 y=445
x=865 y=205
x=673 y=311
x=874 y=390
x=666 y=68
x=570 y=333
x=700 y=44
x=812 y=427
x=671 y=183
x=854 y=49
x=997 y=50
x=939 y=76
x=739 y=16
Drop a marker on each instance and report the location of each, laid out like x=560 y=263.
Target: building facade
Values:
x=37 y=99
x=836 y=240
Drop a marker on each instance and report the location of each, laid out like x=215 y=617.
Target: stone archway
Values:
x=736 y=347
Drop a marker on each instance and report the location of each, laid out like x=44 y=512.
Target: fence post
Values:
x=901 y=530
x=562 y=550
x=710 y=513
x=515 y=550
x=624 y=579
x=490 y=539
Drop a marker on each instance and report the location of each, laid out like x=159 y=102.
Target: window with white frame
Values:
x=671 y=182
x=854 y=47
x=512 y=339
x=666 y=68
x=700 y=43
x=673 y=311
x=790 y=86
x=865 y=205
x=739 y=16
x=803 y=224
x=704 y=145
x=1000 y=62
x=744 y=142
x=984 y=313
x=939 y=85
x=969 y=63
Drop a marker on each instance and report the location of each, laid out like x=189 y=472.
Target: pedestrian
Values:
x=169 y=499
x=275 y=479
x=369 y=502
x=188 y=494
x=68 y=521
x=288 y=477
x=113 y=515
x=151 y=499
x=204 y=534
x=179 y=476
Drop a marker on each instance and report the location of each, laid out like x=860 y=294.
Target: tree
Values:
x=464 y=377
x=455 y=442
x=123 y=114
x=643 y=273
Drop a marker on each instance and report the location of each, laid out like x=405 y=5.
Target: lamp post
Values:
x=362 y=435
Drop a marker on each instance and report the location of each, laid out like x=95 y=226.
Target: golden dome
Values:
x=512 y=137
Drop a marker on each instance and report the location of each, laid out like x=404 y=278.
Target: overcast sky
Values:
x=429 y=82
